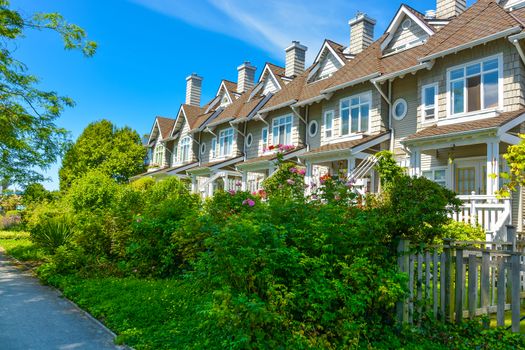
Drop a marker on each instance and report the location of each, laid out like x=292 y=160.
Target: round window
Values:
x=400 y=109
x=203 y=148
x=312 y=129
x=407 y=23
x=249 y=140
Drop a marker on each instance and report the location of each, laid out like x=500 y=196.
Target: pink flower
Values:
x=248 y=202
x=301 y=171
x=290 y=181
x=293 y=170
x=231 y=192
x=238 y=184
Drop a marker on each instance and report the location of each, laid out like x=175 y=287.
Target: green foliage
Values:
x=36 y=193
x=96 y=190
x=225 y=204
x=334 y=190
x=115 y=152
x=387 y=167
x=30 y=138
x=418 y=207
x=461 y=231
x=52 y=233
x=287 y=182
x=18 y=245
x=515 y=158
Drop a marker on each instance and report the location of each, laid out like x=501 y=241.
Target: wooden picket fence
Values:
x=459 y=280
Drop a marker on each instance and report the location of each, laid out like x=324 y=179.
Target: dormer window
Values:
x=158 y=156
x=185 y=144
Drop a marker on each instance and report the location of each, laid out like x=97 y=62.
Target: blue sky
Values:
x=148 y=47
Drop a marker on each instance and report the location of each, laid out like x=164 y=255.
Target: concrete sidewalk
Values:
x=33 y=316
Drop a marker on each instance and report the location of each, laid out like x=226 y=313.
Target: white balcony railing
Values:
x=489 y=212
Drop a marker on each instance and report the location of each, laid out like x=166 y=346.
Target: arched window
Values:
x=184 y=146
x=158 y=154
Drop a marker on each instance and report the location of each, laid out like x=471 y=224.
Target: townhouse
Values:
x=443 y=90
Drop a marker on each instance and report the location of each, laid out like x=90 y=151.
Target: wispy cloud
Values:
x=270 y=25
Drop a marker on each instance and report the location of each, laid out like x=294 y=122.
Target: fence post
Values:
x=511 y=236
x=448 y=278
x=472 y=285
x=500 y=316
x=515 y=295
x=460 y=284
x=403 y=250
x=485 y=283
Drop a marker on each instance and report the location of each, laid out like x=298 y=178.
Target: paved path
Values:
x=33 y=316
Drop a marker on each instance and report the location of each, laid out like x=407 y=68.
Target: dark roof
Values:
x=165 y=126
x=476 y=125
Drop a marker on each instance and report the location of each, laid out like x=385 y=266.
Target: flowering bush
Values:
x=334 y=190
x=279 y=148
x=286 y=182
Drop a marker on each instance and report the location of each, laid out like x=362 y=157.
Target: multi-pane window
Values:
x=475 y=86
x=355 y=114
x=429 y=97
x=175 y=154
x=185 y=145
x=264 y=138
x=328 y=124
x=282 y=130
x=226 y=142
x=158 y=156
x=213 y=149
x=437 y=175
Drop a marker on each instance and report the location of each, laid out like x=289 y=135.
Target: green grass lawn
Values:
x=18 y=245
x=508 y=320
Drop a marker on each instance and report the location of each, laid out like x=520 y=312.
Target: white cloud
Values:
x=270 y=25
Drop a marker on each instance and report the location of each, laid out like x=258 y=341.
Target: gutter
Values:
x=313 y=100
x=467 y=132
x=279 y=106
x=471 y=44
x=413 y=69
x=350 y=83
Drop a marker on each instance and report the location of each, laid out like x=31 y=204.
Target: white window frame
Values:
x=316 y=128
x=175 y=154
x=264 y=140
x=213 y=148
x=331 y=129
x=159 y=153
x=394 y=106
x=224 y=136
x=184 y=149
x=450 y=114
x=249 y=140
x=350 y=107
x=424 y=106
x=276 y=123
x=433 y=171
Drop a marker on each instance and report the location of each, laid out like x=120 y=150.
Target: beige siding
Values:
x=513 y=84
x=315 y=112
x=406 y=89
x=328 y=66
x=404 y=37
x=270 y=85
x=376 y=121
x=256 y=149
x=297 y=126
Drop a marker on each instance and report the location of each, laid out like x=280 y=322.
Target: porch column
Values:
x=308 y=177
x=226 y=182
x=492 y=167
x=210 y=189
x=351 y=166
x=415 y=162
x=244 y=181
x=194 y=184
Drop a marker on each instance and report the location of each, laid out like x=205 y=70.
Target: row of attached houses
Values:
x=444 y=91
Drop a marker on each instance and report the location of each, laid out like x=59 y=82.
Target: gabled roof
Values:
x=329 y=48
x=405 y=10
x=162 y=128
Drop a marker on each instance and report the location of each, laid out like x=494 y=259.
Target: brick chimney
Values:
x=450 y=8
x=361 y=33
x=245 y=77
x=193 y=90
x=295 y=59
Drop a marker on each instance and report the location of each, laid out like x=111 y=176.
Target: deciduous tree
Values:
x=29 y=137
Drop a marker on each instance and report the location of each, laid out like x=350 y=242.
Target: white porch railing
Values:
x=230 y=179
x=489 y=212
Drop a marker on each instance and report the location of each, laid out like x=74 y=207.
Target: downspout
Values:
x=245 y=153
x=307 y=116
x=388 y=100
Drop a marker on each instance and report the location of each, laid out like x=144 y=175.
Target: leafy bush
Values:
x=95 y=190
x=285 y=183
x=52 y=233
x=461 y=231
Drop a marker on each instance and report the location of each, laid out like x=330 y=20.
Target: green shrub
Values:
x=287 y=182
x=95 y=190
x=52 y=233
x=461 y=231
